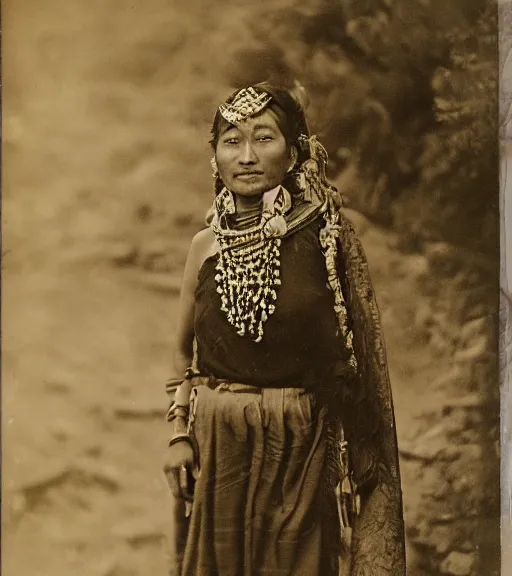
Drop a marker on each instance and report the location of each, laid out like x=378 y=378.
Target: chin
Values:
x=248 y=193
x=253 y=190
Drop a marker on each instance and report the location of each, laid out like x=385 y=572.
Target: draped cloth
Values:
x=378 y=541
x=262 y=506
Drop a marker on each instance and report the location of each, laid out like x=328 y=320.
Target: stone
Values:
x=138 y=531
x=45 y=478
x=103 y=475
x=446 y=517
x=123 y=254
x=441 y=258
x=467 y=546
x=132 y=412
x=449 y=453
x=458 y=564
x=144 y=212
x=473 y=329
x=478 y=348
x=468 y=401
x=441 y=538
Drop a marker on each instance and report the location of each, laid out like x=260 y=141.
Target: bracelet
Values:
x=191 y=373
x=179 y=438
x=175 y=382
x=177 y=411
x=172 y=414
x=180 y=399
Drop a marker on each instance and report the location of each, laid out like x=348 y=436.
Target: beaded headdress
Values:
x=246 y=103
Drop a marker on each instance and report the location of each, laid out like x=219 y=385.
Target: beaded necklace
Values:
x=248 y=266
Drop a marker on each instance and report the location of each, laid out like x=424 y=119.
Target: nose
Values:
x=247 y=154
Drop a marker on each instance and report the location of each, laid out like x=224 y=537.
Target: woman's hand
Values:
x=178 y=455
x=179 y=459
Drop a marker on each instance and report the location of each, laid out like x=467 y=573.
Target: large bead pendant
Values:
x=247 y=282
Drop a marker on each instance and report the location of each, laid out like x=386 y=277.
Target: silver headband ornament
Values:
x=246 y=103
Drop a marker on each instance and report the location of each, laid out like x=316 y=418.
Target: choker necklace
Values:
x=248 y=267
x=248 y=219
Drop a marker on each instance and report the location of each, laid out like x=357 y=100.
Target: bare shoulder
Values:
x=202 y=247
x=203 y=239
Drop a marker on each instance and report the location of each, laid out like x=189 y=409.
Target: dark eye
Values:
x=230 y=141
x=265 y=138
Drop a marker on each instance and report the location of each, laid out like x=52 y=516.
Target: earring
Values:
x=295 y=156
x=302 y=184
x=215 y=169
x=224 y=203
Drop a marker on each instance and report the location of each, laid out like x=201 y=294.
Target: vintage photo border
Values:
x=505 y=136
x=505 y=345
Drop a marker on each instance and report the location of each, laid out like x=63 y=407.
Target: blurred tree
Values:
x=404 y=93
x=458 y=188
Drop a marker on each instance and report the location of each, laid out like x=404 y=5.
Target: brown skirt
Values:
x=264 y=503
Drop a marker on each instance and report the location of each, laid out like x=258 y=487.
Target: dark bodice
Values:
x=300 y=342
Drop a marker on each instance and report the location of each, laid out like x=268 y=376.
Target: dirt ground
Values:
x=86 y=352
x=94 y=163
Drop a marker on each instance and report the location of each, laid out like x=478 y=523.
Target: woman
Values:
x=279 y=341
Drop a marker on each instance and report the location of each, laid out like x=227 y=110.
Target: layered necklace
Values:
x=248 y=266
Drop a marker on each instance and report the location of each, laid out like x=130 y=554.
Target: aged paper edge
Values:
x=505 y=99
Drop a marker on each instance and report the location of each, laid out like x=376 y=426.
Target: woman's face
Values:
x=252 y=157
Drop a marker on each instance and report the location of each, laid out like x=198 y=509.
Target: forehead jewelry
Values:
x=246 y=103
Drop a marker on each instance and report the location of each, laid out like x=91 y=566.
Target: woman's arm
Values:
x=203 y=245
x=180 y=453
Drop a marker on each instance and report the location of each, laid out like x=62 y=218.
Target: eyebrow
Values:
x=264 y=126
x=261 y=126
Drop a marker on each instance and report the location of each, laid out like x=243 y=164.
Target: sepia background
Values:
x=107 y=111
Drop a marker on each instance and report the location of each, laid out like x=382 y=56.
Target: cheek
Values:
x=223 y=160
x=279 y=161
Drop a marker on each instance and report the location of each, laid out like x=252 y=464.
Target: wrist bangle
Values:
x=190 y=373
x=179 y=412
x=180 y=438
x=176 y=411
x=173 y=383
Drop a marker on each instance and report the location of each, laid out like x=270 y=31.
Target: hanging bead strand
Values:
x=248 y=267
